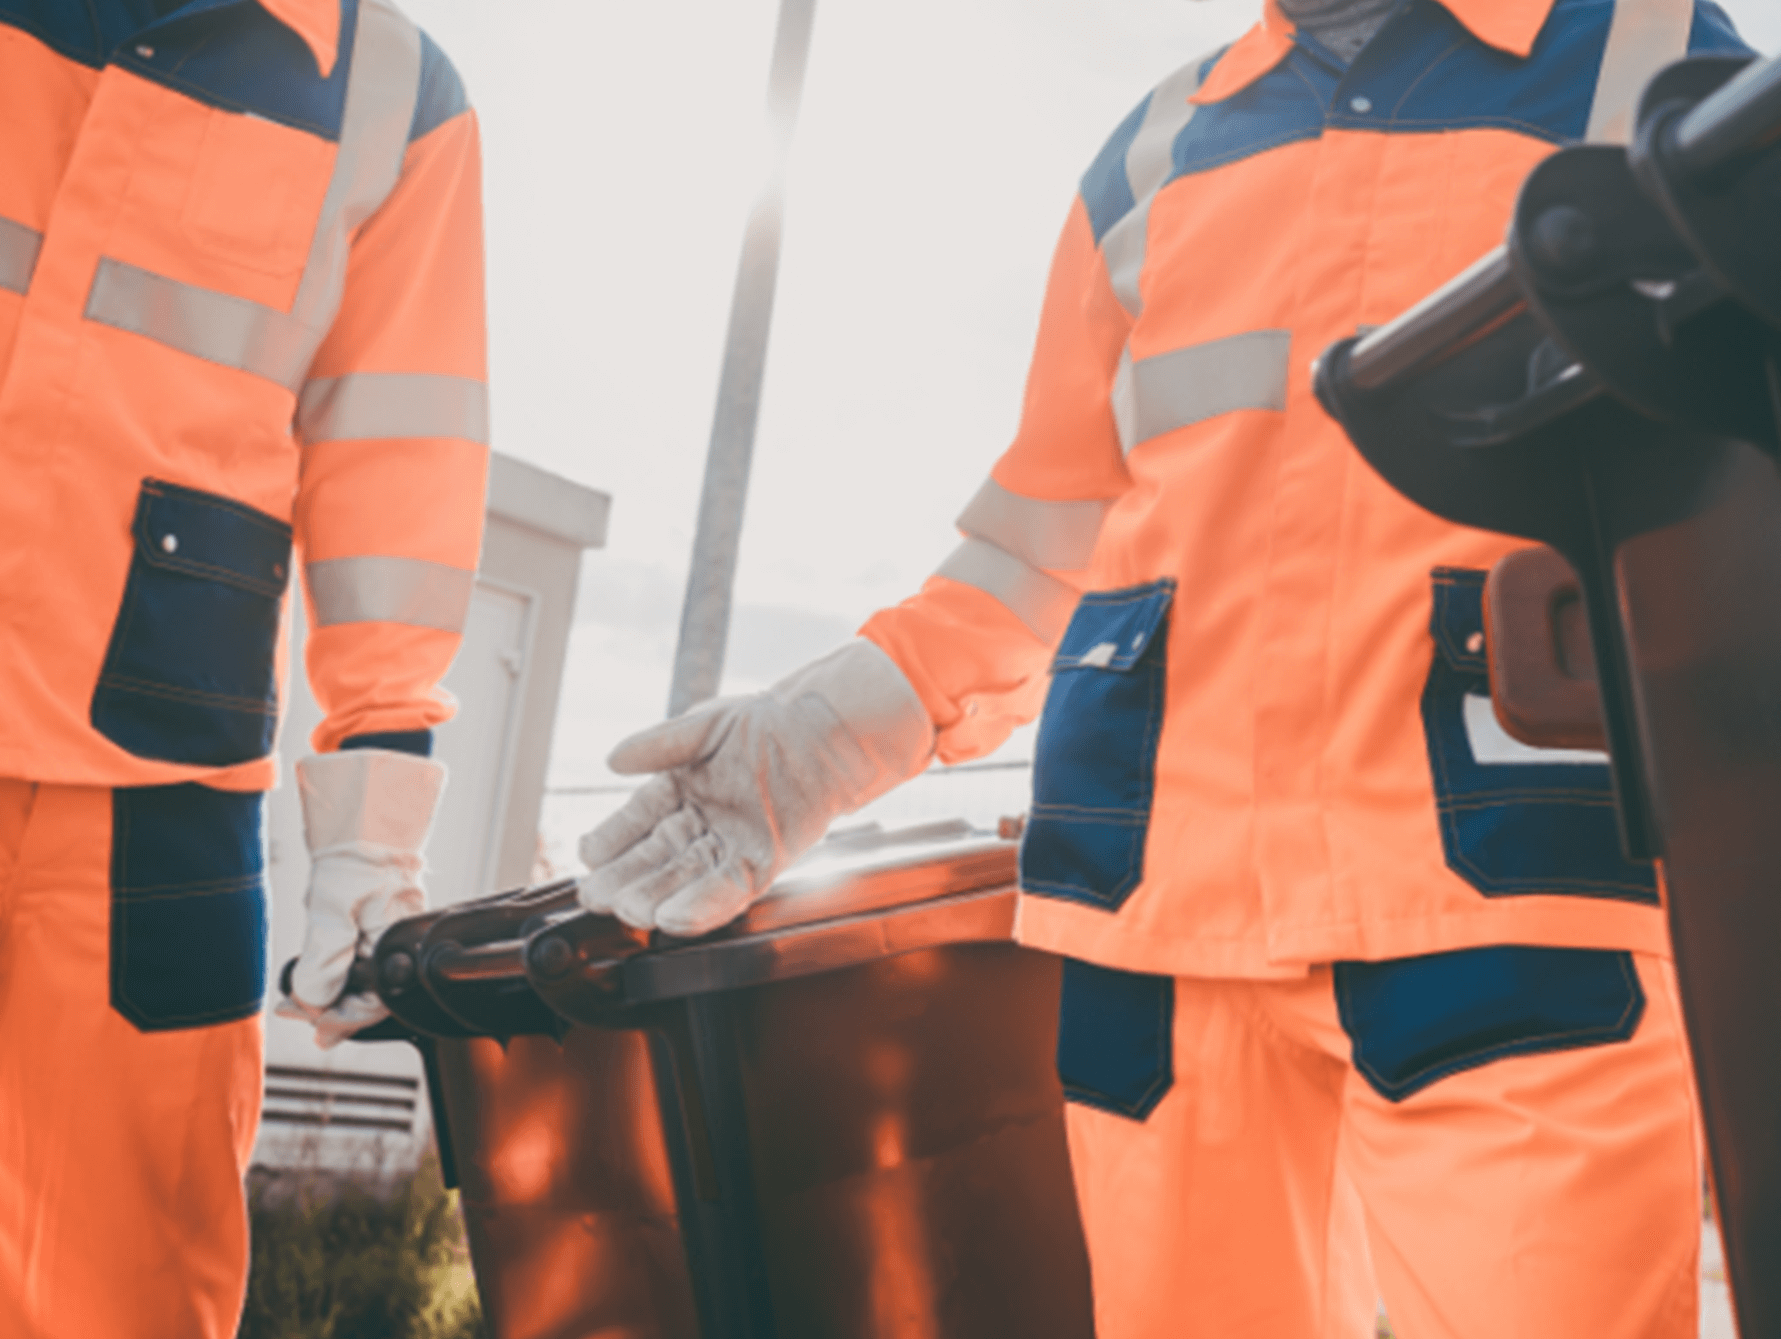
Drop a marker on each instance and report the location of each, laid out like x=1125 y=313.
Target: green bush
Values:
x=338 y=1259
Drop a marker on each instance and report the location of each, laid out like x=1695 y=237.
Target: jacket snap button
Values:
x=146 y=52
x=1475 y=643
x=169 y=543
x=1360 y=106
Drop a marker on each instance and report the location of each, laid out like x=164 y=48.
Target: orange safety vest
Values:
x=1268 y=741
x=241 y=326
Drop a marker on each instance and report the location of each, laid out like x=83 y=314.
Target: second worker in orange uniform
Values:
x=1359 y=993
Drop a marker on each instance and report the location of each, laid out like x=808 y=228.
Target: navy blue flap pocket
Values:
x=1115 y=1038
x=1113 y=629
x=1514 y=820
x=189 y=675
x=1094 y=768
x=188 y=906
x=1414 y=1021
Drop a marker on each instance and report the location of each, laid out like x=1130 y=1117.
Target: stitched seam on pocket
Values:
x=1077 y=813
x=1147 y=672
x=138 y=1016
x=203 y=571
x=192 y=497
x=1074 y=892
x=1573 y=1040
x=188 y=499
x=1161 y=1081
x=190 y=696
x=186 y=892
x=1449 y=804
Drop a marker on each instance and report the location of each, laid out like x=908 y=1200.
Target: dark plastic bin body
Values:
x=840 y=1119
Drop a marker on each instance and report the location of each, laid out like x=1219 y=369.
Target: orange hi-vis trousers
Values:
x=122 y=1151
x=1242 y=1170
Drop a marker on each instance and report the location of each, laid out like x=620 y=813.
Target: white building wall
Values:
x=363 y=1106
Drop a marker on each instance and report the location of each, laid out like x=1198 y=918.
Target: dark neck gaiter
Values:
x=1344 y=26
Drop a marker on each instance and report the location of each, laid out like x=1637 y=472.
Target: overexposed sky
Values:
x=937 y=152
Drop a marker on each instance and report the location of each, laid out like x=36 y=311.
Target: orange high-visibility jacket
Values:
x=1268 y=740
x=241 y=326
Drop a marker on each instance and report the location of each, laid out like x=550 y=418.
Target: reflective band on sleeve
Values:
x=1643 y=37
x=389 y=590
x=380 y=95
x=393 y=404
x=19 y=246
x=1043 y=603
x=1167 y=391
x=1149 y=162
x=1057 y=535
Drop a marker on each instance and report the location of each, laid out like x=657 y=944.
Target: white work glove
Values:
x=365 y=816
x=746 y=785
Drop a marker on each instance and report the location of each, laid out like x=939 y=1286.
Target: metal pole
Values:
x=705 y=617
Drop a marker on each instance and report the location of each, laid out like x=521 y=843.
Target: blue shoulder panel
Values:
x=1714 y=34
x=1433 y=76
x=225 y=53
x=1426 y=73
x=238 y=57
x=1284 y=105
x=441 y=91
x=1439 y=78
x=1106 y=191
x=82 y=31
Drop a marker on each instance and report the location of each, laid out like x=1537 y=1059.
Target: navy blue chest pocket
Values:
x=1514 y=820
x=189 y=676
x=1095 y=767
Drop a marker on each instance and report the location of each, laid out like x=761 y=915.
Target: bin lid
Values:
x=859 y=895
x=856 y=871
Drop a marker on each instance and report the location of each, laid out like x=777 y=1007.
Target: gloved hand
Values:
x=746 y=785
x=365 y=816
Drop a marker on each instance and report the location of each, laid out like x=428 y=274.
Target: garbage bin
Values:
x=838 y=1117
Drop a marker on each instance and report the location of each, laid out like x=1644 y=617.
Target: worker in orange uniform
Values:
x=241 y=326
x=1355 y=987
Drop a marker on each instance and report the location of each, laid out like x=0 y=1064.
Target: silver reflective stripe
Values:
x=19 y=246
x=1124 y=400
x=1643 y=37
x=1167 y=391
x=217 y=327
x=389 y=590
x=393 y=404
x=1057 y=535
x=1043 y=603
x=381 y=90
x=1149 y=161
